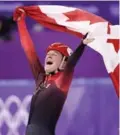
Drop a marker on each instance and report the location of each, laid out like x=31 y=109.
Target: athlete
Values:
x=52 y=81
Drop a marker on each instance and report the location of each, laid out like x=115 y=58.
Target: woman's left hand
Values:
x=88 y=40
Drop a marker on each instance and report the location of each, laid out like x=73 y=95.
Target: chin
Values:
x=49 y=69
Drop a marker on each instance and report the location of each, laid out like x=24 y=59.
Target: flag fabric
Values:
x=79 y=22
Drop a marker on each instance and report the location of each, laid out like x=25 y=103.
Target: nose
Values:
x=49 y=57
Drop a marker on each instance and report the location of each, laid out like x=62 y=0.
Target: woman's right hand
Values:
x=19 y=14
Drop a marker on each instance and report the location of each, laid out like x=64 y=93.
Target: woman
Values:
x=52 y=81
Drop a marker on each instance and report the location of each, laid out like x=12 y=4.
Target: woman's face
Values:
x=53 y=60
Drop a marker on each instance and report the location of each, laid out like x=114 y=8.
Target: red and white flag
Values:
x=80 y=22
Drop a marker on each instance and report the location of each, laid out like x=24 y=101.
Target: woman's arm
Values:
x=66 y=77
x=77 y=54
x=74 y=58
x=29 y=49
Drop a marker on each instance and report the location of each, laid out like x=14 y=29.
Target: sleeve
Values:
x=74 y=58
x=29 y=49
x=66 y=76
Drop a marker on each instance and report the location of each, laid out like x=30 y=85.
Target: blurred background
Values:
x=91 y=107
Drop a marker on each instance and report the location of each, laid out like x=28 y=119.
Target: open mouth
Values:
x=49 y=62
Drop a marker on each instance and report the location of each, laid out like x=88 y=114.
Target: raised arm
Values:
x=66 y=77
x=28 y=48
x=73 y=59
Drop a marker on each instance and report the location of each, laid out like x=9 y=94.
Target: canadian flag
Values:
x=80 y=22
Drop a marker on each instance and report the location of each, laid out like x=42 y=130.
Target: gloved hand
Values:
x=19 y=14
